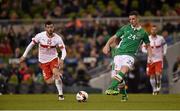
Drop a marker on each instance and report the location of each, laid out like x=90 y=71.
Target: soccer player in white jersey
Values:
x=51 y=65
x=154 y=69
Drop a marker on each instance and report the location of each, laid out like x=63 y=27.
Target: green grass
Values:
x=95 y=102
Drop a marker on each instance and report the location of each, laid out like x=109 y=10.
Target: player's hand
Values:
x=61 y=64
x=106 y=50
x=21 y=59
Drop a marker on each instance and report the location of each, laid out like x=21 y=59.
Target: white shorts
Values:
x=123 y=60
x=113 y=73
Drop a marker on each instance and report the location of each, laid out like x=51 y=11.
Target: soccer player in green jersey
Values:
x=132 y=35
x=121 y=87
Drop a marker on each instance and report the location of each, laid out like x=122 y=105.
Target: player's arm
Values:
x=164 y=49
x=149 y=52
x=143 y=48
x=63 y=56
x=29 y=47
x=148 y=46
x=164 y=46
x=106 y=48
x=63 y=52
x=112 y=40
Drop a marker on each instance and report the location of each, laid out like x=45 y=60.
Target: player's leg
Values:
x=158 y=70
x=47 y=73
x=113 y=87
x=123 y=64
x=153 y=84
x=124 y=70
x=127 y=65
x=57 y=78
x=151 y=73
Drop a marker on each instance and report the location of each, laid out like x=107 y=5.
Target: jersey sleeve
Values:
x=163 y=40
x=146 y=38
x=120 y=32
x=36 y=39
x=60 y=43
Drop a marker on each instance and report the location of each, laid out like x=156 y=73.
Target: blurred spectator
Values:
x=57 y=12
x=82 y=78
x=168 y=38
x=5 y=47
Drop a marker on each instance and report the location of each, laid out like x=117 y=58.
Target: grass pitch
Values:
x=95 y=102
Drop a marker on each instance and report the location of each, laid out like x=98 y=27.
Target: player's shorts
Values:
x=123 y=60
x=48 y=67
x=113 y=73
x=154 y=68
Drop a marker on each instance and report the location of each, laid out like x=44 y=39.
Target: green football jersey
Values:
x=131 y=39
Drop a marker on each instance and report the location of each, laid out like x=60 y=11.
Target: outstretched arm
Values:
x=106 y=48
x=29 y=47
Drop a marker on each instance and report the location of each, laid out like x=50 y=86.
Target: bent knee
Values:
x=49 y=81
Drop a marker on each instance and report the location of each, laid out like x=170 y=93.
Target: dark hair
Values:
x=154 y=25
x=48 y=23
x=134 y=13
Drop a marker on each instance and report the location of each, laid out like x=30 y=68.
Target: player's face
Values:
x=133 y=20
x=49 y=29
x=153 y=30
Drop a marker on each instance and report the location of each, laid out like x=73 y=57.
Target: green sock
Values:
x=123 y=91
x=113 y=84
x=121 y=75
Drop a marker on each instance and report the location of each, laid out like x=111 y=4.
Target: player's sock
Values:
x=123 y=91
x=158 y=78
x=58 y=83
x=153 y=84
x=113 y=84
x=122 y=87
x=117 y=79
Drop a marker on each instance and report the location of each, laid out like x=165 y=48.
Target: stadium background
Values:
x=85 y=26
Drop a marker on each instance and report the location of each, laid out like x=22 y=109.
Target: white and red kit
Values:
x=48 y=55
x=159 y=48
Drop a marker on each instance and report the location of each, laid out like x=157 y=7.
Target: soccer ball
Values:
x=82 y=96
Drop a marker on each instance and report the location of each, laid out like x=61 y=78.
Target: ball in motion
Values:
x=82 y=96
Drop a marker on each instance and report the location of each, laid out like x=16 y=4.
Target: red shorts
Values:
x=154 y=68
x=48 y=67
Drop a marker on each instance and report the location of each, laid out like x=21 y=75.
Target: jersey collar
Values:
x=136 y=28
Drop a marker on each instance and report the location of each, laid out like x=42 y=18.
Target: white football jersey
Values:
x=157 y=45
x=47 y=46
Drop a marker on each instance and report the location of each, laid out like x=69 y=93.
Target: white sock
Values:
x=59 y=85
x=158 y=79
x=153 y=83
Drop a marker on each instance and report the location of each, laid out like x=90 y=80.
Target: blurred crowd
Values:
x=83 y=39
x=29 y=9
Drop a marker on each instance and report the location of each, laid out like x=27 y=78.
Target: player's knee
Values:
x=124 y=69
x=158 y=73
x=49 y=81
x=152 y=76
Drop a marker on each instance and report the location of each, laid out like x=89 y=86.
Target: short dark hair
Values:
x=134 y=13
x=48 y=22
x=154 y=25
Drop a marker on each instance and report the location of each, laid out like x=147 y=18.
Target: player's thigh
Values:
x=113 y=73
x=150 y=69
x=158 y=67
x=123 y=63
x=47 y=73
x=54 y=65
